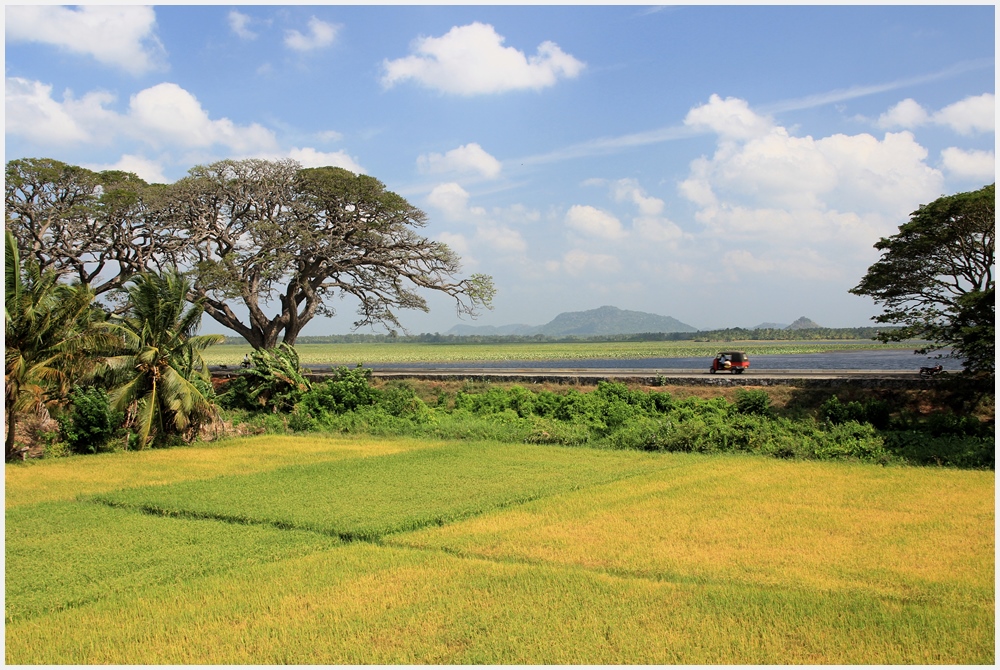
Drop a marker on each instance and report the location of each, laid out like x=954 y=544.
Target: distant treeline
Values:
x=725 y=335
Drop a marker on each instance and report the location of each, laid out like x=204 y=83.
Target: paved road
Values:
x=644 y=375
x=645 y=372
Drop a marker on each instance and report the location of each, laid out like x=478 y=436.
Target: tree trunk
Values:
x=9 y=441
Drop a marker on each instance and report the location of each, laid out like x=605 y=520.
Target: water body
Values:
x=889 y=359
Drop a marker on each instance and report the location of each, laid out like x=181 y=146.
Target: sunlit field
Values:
x=366 y=550
x=417 y=352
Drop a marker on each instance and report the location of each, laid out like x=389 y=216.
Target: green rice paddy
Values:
x=364 y=550
x=352 y=354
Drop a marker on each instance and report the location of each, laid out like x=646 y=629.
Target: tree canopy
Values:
x=99 y=228
x=935 y=278
x=268 y=243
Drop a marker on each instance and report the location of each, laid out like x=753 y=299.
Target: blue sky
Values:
x=726 y=166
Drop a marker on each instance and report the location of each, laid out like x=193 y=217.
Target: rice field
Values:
x=364 y=550
x=352 y=354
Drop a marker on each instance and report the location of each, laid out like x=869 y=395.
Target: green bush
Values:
x=91 y=423
x=616 y=417
x=753 y=402
x=875 y=412
x=924 y=448
x=402 y=401
x=273 y=382
x=550 y=431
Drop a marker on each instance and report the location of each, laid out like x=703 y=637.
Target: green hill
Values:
x=605 y=320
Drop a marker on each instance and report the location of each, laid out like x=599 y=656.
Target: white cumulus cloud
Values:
x=164 y=115
x=321 y=34
x=501 y=239
x=451 y=199
x=311 y=158
x=628 y=190
x=168 y=114
x=121 y=36
x=971 y=115
x=149 y=170
x=905 y=114
x=970 y=164
x=731 y=118
x=31 y=112
x=466 y=158
x=782 y=198
x=975 y=114
x=472 y=60
x=840 y=172
x=491 y=236
x=594 y=222
x=649 y=225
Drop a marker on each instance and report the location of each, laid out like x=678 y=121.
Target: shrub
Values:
x=875 y=412
x=273 y=381
x=401 y=400
x=351 y=389
x=643 y=433
x=90 y=423
x=550 y=431
x=924 y=448
x=753 y=402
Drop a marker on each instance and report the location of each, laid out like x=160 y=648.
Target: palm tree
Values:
x=153 y=374
x=50 y=333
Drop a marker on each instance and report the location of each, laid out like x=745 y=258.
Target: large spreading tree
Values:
x=935 y=279
x=282 y=242
x=95 y=228
x=269 y=244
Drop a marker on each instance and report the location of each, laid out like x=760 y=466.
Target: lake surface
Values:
x=891 y=359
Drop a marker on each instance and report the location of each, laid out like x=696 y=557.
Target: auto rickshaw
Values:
x=734 y=362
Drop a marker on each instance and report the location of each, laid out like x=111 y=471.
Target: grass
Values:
x=373 y=497
x=36 y=481
x=524 y=555
x=61 y=556
x=847 y=527
x=352 y=354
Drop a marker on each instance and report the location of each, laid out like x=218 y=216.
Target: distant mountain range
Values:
x=605 y=320
x=608 y=320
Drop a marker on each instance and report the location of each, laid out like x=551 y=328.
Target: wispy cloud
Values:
x=609 y=145
x=840 y=95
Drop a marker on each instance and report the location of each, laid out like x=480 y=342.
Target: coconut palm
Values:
x=50 y=336
x=154 y=373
